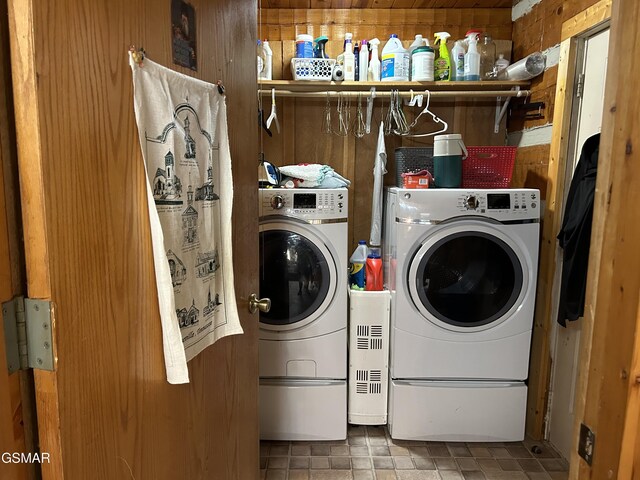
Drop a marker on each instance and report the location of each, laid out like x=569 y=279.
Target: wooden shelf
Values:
x=311 y=86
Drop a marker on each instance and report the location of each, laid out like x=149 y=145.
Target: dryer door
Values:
x=297 y=272
x=467 y=275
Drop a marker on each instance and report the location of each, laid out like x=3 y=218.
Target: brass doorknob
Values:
x=262 y=304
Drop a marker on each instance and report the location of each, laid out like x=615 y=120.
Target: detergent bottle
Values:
x=357 y=262
x=373 y=270
x=457 y=61
x=267 y=72
x=472 y=58
x=443 y=62
x=395 y=61
x=374 y=62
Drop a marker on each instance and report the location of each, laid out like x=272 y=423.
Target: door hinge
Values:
x=586 y=443
x=580 y=86
x=28 y=334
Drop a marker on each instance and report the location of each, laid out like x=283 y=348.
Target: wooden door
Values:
x=17 y=418
x=107 y=412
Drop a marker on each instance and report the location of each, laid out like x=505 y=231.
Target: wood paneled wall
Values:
x=285 y=24
x=386 y=3
x=301 y=120
x=539 y=30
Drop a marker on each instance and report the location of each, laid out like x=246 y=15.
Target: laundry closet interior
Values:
x=326 y=123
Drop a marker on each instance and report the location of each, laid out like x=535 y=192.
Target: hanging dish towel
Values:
x=379 y=169
x=182 y=125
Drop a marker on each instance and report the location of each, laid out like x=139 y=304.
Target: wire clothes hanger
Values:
x=396 y=115
x=274 y=115
x=435 y=118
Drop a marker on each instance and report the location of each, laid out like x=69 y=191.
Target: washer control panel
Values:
x=311 y=204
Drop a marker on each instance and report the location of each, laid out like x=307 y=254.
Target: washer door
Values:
x=468 y=275
x=297 y=272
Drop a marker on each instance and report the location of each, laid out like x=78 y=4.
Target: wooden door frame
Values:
x=540 y=370
x=608 y=399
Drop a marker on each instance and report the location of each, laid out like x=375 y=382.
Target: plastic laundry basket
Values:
x=488 y=167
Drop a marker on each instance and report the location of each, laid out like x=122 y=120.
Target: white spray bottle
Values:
x=374 y=63
x=472 y=58
x=347 y=38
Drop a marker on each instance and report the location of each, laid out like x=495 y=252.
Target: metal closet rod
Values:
x=403 y=94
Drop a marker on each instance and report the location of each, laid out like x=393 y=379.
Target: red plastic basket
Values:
x=488 y=167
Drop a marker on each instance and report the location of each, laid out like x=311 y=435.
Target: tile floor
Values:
x=369 y=453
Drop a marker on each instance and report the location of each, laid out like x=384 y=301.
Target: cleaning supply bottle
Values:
x=457 y=61
x=443 y=62
x=319 y=49
x=347 y=38
x=267 y=71
x=487 y=57
x=356 y=266
x=374 y=62
x=418 y=42
x=395 y=61
x=373 y=270
x=472 y=58
x=363 y=60
x=261 y=59
x=349 y=62
x=356 y=54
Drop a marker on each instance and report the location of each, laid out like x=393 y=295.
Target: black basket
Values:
x=412 y=159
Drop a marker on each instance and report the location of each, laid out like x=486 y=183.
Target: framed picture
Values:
x=183 y=34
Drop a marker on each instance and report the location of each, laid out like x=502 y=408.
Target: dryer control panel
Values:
x=436 y=205
x=305 y=203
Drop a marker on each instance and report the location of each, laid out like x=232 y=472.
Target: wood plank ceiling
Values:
x=386 y=3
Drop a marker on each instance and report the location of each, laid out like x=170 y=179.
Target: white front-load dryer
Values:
x=462 y=266
x=303 y=338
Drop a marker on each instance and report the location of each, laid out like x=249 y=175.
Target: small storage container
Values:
x=318 y=69
x=488 y=167
x=411 y=160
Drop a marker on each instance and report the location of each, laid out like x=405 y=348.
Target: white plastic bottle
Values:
x=395 y=61
x=364 y=62
x=472 y=58
x=267 y=71
x=356 y=268
x=457 y=61
x=374 y=62
x=418 y=42
x=347 y=38
x=349 y=62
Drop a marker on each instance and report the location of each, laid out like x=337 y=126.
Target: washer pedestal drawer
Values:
x=457 y=411
x=303 y=409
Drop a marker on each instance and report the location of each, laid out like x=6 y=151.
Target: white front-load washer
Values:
x=462 y=267
x=303 y=338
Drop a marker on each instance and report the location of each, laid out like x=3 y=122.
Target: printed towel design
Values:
x=182 y=124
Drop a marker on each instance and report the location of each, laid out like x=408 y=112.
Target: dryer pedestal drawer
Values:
x=303 y=409
x=457 y=411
